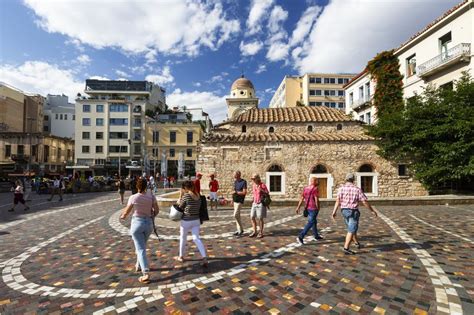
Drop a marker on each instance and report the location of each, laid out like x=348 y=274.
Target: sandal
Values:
x=138 y=268
x=253 y=234
x=144 y=279
x=180 y=259
x=205 y=263
x=260 y=235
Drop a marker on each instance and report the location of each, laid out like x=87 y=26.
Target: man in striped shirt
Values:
x=348 y=198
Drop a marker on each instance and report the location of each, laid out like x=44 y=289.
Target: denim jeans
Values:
x=141 y=229
x=351 y=218
x=312 y=223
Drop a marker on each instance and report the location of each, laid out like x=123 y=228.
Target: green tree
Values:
x=435 y=133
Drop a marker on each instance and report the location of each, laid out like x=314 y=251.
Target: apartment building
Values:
x=311 y=89
x=41 y=154
x=110 y=125
x=20 y=111
x=436 y=56
x=172 y=141
x=59 y=116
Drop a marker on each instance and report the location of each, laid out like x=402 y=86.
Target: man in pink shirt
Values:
x=348 y=198
x=310 y=196
x=258 y=210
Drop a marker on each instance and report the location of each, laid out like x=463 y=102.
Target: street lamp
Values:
x=120 y=155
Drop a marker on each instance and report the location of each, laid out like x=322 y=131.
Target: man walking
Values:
x=57 y=189
x=310 y=196
x=240 y=190
x=348 y=198
x=197 y=183
x=259 y=209
x=213 y=188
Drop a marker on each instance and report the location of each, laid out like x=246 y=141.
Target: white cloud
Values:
x=98 y=77
x=76 y=43
x=211 y=103
x=258 y=10
x=277 y=51
x=251 y=48
x=42 y=78
x=150 y=56
x=261 y=68
x=84 y=59
x=277 y=17
x=163 y=78
x=197 y=84
x=173 y=27
x=349 y=33
x=121 y=73
x=303 y=27
x=277 y=47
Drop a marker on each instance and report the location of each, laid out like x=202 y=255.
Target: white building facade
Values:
x=59 y=116
x=436 y=56
x=110 y=125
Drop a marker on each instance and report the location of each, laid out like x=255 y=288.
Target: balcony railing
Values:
x=361 y=102
x=458 y=53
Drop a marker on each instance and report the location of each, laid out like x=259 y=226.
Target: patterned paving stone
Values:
x=68 y=259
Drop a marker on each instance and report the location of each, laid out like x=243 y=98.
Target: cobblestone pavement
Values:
x=75 y=256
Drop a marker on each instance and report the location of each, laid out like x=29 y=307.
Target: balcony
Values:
x=20 y=157
x=458 y=53
x=361 y=103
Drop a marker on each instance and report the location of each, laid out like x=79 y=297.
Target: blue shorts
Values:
x=351 y=217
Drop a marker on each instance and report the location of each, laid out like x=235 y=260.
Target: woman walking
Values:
x=121 y=189
x=18 y=196
x=145 y=208
x=310 y=196
x=190 y=201
x=258 y=211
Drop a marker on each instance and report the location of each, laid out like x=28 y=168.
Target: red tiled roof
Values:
x=284 y=137
x=299 y=114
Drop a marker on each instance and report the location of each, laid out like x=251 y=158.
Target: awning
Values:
x=28 y=174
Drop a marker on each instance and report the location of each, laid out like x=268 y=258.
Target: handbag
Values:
x=176 y=213
x=203 y=213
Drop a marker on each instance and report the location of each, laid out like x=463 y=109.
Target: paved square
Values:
x=75 y=256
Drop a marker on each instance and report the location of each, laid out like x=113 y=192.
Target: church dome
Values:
x=242 y=83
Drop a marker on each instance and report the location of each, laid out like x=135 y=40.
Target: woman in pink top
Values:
x=258 y=210
x=145 y=208
x=310 y=196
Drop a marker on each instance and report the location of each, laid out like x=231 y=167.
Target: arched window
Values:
x=271 y=129
x=319 y=169
x=366 y=168
x=309 y=128
x=275 y=179
x=275 y=168
x=244 y=128
x=339 y=127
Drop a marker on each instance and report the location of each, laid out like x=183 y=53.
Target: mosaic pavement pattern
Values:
x=77 y=257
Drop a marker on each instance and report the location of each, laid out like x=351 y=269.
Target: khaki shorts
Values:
x=258 y=211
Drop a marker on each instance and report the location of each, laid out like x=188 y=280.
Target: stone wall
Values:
x=297 y=159
x=318 y=127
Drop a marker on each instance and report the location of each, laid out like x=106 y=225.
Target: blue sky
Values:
x=195 y=49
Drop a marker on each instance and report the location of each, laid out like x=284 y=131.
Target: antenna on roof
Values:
x=242 y=73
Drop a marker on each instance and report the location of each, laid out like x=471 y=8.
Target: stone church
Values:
x=288 y=146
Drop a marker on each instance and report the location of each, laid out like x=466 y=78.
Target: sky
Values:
x=196 y=49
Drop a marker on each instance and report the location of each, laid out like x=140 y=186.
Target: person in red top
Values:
x=348 y=198
x=197 y=183
x=258 y=211
x=213 y=188
x=310 y=196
